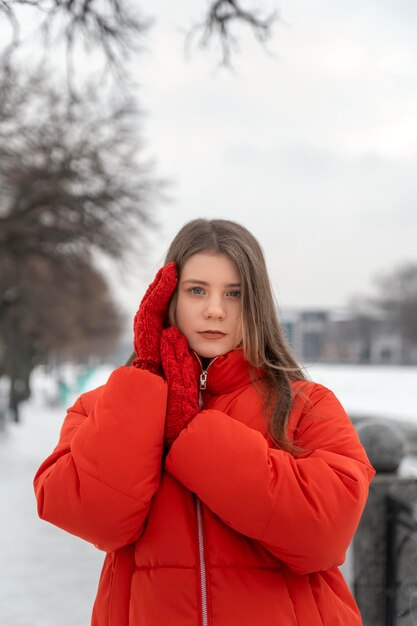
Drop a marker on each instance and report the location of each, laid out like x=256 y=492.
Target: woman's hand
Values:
x=150 y=317
x=180 y=374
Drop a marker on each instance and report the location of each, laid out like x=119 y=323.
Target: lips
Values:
x=212 y=334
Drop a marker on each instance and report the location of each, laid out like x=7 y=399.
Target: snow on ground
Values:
x=364 y=390
x=48 y=577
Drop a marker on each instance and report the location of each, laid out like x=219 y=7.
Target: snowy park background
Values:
x=48 y=577
x=310 y=142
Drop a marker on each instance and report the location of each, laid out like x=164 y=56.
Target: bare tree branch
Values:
x=220 y=18
x=114 y=28
x=110 y=26
x=71 y=174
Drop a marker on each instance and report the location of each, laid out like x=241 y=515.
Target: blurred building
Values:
x=344 y=336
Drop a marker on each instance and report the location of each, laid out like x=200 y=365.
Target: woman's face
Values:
x=208 y=307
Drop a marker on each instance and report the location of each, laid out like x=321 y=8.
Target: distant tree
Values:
x=362 y=325
x=64 y=312
x=72 y=177
x=397 y=296
x=72 y=184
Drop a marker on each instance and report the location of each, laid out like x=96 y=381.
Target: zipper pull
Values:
x=203 y=379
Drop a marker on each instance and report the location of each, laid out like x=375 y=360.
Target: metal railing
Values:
x=401 y=529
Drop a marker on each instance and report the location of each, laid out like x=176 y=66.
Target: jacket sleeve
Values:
x=303 y=509
x=99 y=481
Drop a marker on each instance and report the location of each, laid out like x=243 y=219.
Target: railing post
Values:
x=391 y=565
x=384 y=561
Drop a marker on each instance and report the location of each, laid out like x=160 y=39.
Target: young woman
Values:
x=223 y=486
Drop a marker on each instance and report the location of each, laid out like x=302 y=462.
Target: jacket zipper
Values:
x=203 y=378
x=203 y=579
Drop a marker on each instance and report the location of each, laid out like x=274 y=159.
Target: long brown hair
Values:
x=264 y=343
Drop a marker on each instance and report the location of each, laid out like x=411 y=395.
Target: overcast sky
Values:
x=313 y=147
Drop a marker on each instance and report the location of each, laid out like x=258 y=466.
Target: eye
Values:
x=235 y=293
x=197 y=291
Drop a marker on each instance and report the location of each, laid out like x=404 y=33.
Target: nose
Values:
x=215 y=308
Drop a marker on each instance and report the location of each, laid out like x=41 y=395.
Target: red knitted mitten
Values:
x=178 y=367
x=150 y=318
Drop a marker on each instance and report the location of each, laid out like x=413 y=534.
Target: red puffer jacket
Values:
x=230 y=530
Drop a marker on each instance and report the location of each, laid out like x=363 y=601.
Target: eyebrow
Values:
x=203 y=282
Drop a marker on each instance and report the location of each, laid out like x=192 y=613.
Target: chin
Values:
x=209 y=352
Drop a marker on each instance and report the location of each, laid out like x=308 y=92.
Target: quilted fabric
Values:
x=227 y=530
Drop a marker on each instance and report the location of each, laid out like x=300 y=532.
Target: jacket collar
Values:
x=226 y=372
